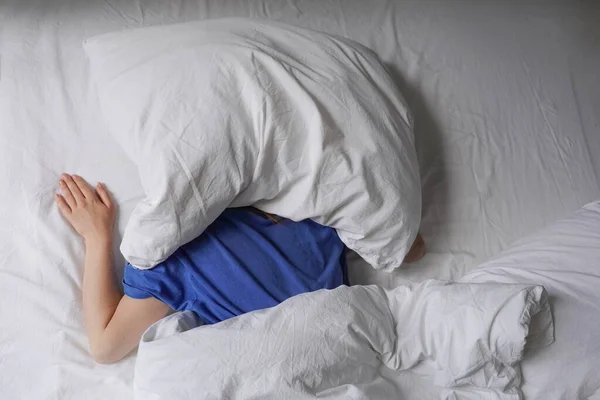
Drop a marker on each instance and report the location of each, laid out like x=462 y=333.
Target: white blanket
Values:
x=329 y=344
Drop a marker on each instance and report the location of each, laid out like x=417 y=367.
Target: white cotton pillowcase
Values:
x=236 y=112
x=565 y=259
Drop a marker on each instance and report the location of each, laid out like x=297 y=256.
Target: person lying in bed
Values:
x=245 y=261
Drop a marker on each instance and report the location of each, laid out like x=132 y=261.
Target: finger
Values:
x=64 y=208
x=103 y=194
x=83 y=186
x=79 y=197
x=66 y=194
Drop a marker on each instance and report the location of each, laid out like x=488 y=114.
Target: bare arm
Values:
x=114 y=323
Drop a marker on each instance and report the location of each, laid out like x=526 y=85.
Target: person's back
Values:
x=244 y=261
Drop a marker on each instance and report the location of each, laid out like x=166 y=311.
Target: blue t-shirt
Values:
x=243 y=262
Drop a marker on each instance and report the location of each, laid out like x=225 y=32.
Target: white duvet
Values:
x=330 y=344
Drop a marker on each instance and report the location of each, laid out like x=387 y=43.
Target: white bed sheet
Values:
x=505 y=99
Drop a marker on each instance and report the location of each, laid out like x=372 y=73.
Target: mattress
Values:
x=505 y=100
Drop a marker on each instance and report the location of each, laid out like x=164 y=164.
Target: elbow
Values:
x=104 y=354
x=104 y=360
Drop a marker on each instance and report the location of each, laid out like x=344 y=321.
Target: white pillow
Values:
x=565 y=259
x=235 y=112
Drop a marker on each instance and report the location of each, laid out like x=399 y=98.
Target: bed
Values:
x=505 y=100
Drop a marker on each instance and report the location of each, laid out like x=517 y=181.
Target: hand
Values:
x=90 y=212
